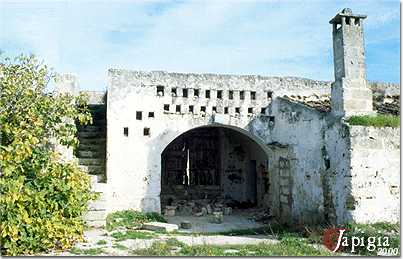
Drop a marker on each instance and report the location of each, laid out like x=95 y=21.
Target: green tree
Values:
x=41 y=198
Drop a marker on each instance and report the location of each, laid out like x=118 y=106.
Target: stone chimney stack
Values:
x=350 y=93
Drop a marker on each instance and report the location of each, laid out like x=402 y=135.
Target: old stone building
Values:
x=280 y=143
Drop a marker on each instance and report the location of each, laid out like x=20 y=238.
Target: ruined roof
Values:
x=388 y=104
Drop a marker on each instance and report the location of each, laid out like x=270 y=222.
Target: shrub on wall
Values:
x=378 y=121
x=41 y=198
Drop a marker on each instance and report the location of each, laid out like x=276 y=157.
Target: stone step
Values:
x=97 y=205
x=95 y=215
x=90 y=135
x=96 y=223
x=92 y=161
x=99 y=187
x=91 y=128
x=91 y=154
x=94 y=170
x=91 y=141
x=100 y=147
x=160 y=226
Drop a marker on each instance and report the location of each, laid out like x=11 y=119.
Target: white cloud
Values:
x=247 y=37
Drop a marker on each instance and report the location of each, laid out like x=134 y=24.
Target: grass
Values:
x=375 y=121
x=120 y=247
x=132 y=234
x=101 y=242
x=382 y=230
x=131 y=219
x=90 y=251
x=288 y=246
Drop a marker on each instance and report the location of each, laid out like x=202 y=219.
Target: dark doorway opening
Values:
x=213 y=165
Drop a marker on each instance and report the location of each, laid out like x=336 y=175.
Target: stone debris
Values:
x=160 y=226
x=186 y=224
x=199 y=208
x=218 y=217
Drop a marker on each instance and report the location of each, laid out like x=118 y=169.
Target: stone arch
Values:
x=249 y=172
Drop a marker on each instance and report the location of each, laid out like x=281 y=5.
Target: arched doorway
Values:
x=214 y=165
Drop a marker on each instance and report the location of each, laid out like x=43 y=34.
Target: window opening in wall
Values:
x=173 y=91
x=151 y=115
x=178 y=108
x=146 y=131
x=242 y=95
x=207 y=93
x=185 y=92
x=191 y=108
x=231 y=95
x=203 y=108
x=269 y=94
x=166 y=107
x=237 y=110
x=214 y=109
x=126 y=131
x=196 y=92
x=253 y=95
x=357 y=22
x=338 y=26
x=250 y=110
x=271 y=119
x=263 y=110
x=219 y=94
x=160 y=90
x=139 y=115
x=348 y=20
x=225 y=110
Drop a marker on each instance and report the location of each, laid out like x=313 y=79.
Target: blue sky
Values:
x=275 y=38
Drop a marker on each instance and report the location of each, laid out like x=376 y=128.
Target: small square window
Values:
x=225 y=110
x=146 y=131
x=253 y=95
x=196 y=92
x=178 y=108
x=173 y=91
x=203 y=108
x=231 y=95
x=269 y=94
x=160 y=90
x=191 y=108
x=250 y=110
x=166 y=107
x=263 y=110
x=271 y=119
x=242 y=95
x=126 y=131
x=207 y=93
x=219 y=94
x=214 y=108
x=139 y=115
x=151 y=115
x=185 y=92
x=237 y=110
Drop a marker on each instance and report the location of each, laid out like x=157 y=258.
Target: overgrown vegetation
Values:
x=375 y=121
x=131 y=219
x=374 y=231
x=89 y=251
x=288 y=246
x=133 y=234
x=41 y=198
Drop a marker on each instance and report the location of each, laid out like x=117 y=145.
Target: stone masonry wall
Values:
x=375 y=174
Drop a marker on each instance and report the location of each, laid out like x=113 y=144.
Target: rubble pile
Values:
x=198 y=208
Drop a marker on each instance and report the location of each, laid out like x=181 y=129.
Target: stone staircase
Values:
x=91 y=151
x=91 y=154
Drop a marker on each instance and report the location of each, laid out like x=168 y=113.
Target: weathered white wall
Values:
x=134 y=161
x=375 y=174
x=297 y=134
